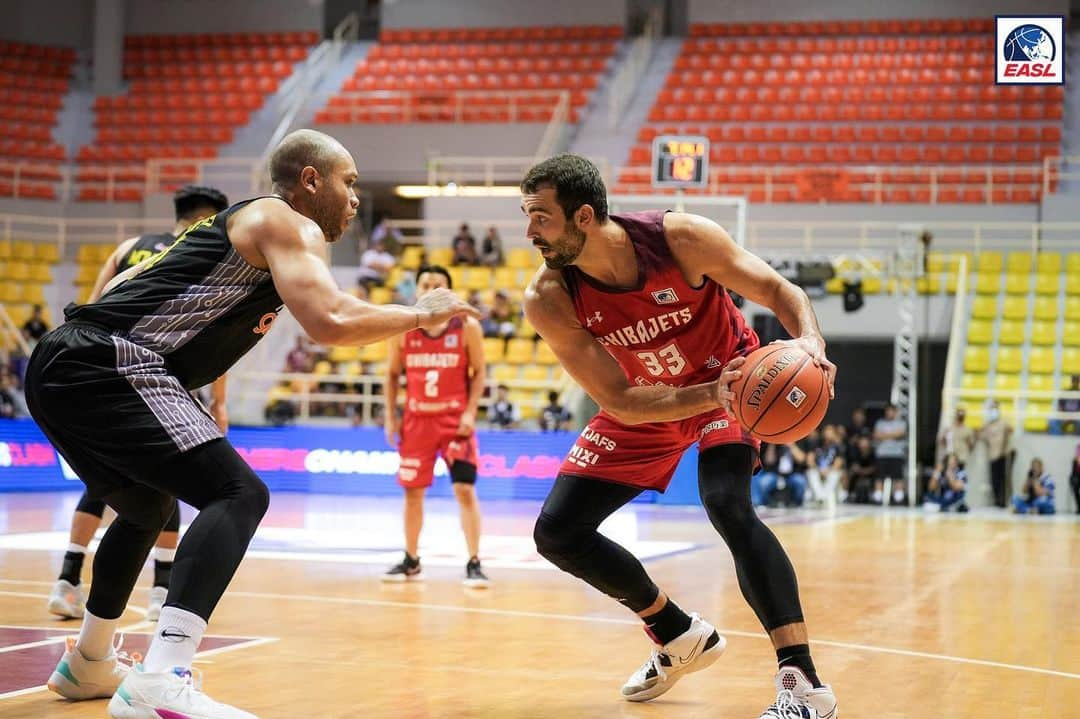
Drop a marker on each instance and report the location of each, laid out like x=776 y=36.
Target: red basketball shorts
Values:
x=423 y=438
x=646 y=455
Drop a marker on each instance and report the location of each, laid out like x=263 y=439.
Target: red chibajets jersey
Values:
x=663 y=331
x=436 y=370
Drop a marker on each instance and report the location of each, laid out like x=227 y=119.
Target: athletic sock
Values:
x=178 y=635
x=667 y=624
x=95 y=640
x=798 y=655
x=71 y=572
x=163 y=561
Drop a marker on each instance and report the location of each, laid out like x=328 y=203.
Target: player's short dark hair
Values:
x=190 y=198
x=438 y=270
x=503 y=386
x=576 y=182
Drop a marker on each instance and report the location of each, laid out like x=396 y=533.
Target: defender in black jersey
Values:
x=110 y=389
x=192 y=204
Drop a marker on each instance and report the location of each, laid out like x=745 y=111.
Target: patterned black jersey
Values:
x=144 y=248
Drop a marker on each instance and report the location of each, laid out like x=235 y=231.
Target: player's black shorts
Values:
x=111 y=407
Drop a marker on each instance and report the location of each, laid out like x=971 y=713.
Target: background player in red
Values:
x=444 y=380
x=635 y=308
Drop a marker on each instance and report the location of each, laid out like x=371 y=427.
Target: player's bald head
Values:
x=300 y=149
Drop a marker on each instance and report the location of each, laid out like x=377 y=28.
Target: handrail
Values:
x=955 y=332
x=13 y=330
x=625 y=82
x=552 y=138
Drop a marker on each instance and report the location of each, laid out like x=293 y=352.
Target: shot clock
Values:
x=680 y=161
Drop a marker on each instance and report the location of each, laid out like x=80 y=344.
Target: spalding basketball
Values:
x=782 y=395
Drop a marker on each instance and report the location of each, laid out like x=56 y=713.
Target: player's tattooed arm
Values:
x=550 y=310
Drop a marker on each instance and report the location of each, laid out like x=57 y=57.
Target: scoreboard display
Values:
x=680 y=161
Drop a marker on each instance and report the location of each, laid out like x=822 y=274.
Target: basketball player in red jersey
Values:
x=635 y=308
x=444 y=380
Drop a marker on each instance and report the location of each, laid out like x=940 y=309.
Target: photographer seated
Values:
x=783 y=468
x=947 y=487
x=1037 y=496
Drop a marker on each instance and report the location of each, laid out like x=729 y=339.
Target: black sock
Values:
x=162 y=573
x=798 y=655
x=72 y=569
x=668 y=623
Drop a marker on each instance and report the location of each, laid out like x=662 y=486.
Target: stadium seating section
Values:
x=474 y=75
x=25 y=270
x=33 y=81
x=187 y=96
x=866 y=111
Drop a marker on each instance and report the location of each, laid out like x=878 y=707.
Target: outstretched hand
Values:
x=438 y=306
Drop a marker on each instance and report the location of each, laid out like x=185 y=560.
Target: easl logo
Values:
x=1030 y=50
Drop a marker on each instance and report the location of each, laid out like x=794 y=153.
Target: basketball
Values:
x=782 y=395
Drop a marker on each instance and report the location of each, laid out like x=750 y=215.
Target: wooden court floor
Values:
x=910 y=616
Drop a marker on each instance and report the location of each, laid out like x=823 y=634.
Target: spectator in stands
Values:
x=491 y=249
x=957 y=438
x=389 y=236
x=858 y=426
x=996 y=433
x=502 y=319
x=862 y=470
x=280 y=409
x=890 y=437
x=1074 y=478
x=1037 y=496
x=947 y=486
x=8 y=407
x=464 y=247
x=503 y=414
x=1068 y=404
x=554 y=417
x=376 y=263
x=300 y=357
x=35 y=327
x=825 y=466
x=783 y=466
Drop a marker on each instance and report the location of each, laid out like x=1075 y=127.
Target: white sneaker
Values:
x=66 y=600
x=157 y=601
x=77 y=677
x=797 y=698
x=168 y=695
x=693 y=650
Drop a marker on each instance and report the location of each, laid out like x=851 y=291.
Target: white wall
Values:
x=501 y=13
x=799 y=10
x=203 y=16
x=66 y=23
x=877 y=318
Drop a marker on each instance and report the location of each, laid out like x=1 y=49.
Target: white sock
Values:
x=96 y=637
x=76 y=548
x=178 y=635
x=161 y=554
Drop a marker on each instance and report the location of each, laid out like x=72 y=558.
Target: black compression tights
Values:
x=96 y=507
x=765 y=574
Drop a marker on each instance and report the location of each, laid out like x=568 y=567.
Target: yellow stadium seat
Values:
x=5 y=249
x=522 y=258
x=1007 y=381
x=951 y=281
x=1046 y=308
x=987 y=284
x=394 y=276
x=1044 y=334
x=494 y=349
x=103 y=252
x=86 y=254
x=1019 y=262
x=323 y=367
x=380 y=295
x=1049 y=262
x=344 y=354
x=975 y=416
x=537 y=372
x=86 y=274
x=18 y=270
x=39 y=272
x=1072 y=262
x=10 y=292
x=1035 y=419
x=478 y=278
x=412 y=256
x=544 y=354
x=984 y=308
x=1072 y=284
x=1041 y=360
x=463 y=294
x=835 y=286
x=1015 y=308
x=373 y=352
x=1017 y=284
x=976 y=359
x=975 y=381
x=46 y=252
x=980 y=332
x=525 y=329
x=440 y=256
x=1011 y=333
x=1070 y=360
x=990 y=261
x=506 y=277
x=1071 y=336
x=22 y=250
x=83 y=295
x=936 y=262
x=871 y=285
x=526 y=404
x=1072 y=308
x=503 y=373
x=1047 y=284
x=34 y=294
x=1040 y=382
x=457 y=276
x=929 y=285
x=1010 y=360
x=519 y=351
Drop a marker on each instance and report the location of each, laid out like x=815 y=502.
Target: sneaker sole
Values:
x=703 y=661
x=62 y=609
x=62 y=686
x=476 y=583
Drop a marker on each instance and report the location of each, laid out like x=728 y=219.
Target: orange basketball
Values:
x=782 y=395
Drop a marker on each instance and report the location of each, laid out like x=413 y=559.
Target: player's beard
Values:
x=329 y=216
x=566 y=249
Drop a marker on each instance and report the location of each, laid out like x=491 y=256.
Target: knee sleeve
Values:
x=552 y=541
x=463 y=472
x=86 y=505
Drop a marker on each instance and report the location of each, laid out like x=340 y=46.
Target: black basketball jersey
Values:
x=145 y=247
x=198 y=304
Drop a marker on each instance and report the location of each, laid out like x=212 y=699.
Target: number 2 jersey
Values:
x=663 y=331
x=436 y=370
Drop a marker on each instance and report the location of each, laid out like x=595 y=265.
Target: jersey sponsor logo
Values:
x=433 y=359
x=646 y=330
x=595 y=319
x=712 y=362
x=598 y=439
x=582 y=457
x=795 y=397
x=451 y=341
x=765 y=376
x=665 y=296
x=715 y=425
x=264 y=323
